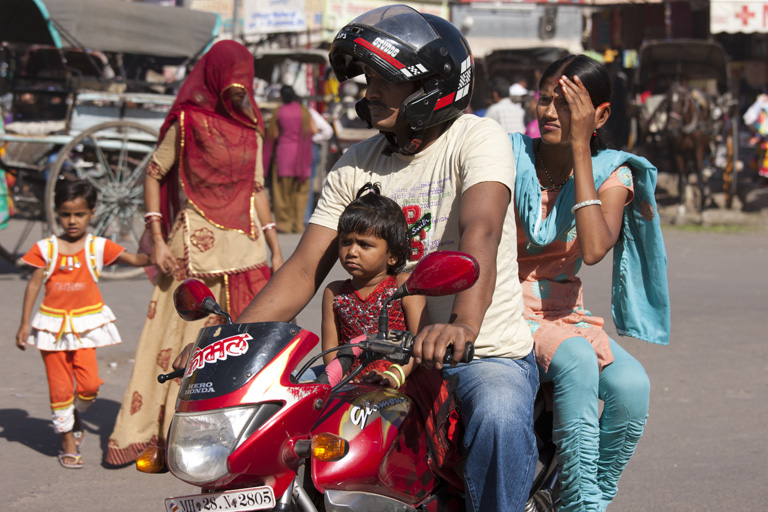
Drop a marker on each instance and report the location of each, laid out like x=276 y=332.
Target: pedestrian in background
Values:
x=756 y=119
x=324 y=134
x=508 y=114
x=289 y=156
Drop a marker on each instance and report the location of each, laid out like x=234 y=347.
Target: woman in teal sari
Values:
x=576 y=201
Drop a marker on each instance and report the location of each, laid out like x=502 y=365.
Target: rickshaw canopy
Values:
x=265 y=60
x=110 y=25
x=690 y=59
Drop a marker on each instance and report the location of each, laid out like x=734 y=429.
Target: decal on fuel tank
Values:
x=359 y=414
x=392 y=408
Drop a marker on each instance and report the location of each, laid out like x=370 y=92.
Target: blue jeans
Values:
x=593 y=450
x=497 y=396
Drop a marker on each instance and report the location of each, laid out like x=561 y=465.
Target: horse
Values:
x=686 y=136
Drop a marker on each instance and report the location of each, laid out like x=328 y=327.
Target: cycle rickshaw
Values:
x=86 y=85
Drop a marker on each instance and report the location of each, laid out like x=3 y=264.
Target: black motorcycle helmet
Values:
x=404 y=45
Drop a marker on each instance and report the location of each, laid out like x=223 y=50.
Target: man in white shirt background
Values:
x=508 y=114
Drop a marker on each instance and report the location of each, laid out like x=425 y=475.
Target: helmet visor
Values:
x=399 y=22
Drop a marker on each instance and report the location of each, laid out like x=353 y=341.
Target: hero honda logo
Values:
x=386 y=47
x=234 y=346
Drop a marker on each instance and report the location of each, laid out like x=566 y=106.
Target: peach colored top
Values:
x=554 y=306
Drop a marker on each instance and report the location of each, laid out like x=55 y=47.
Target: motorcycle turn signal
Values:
x=152 y=460
x=328 y=447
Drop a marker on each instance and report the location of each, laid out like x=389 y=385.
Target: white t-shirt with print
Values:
x=428 y=186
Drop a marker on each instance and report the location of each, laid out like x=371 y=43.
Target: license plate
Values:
x=241 y=500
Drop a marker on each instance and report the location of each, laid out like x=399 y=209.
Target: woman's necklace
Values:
x=555 y=186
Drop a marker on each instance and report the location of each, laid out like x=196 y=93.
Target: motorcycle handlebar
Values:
x=334 y=372
x=164 y=377
x=466 y=357
x=346 y=362
x=388 y=348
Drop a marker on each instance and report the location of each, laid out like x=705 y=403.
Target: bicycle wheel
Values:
x=112 y=156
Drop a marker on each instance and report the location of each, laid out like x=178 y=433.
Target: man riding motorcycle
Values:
x=453 y=175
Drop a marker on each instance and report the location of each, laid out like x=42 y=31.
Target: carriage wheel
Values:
x=112 y=156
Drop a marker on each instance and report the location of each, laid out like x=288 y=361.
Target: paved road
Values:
x=705 y=447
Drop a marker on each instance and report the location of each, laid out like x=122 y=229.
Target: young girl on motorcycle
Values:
x=373 y=246
x=576 y=201
x=73 y=321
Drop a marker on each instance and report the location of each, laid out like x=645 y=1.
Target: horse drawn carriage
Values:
x=684 y=118
x=78 y=103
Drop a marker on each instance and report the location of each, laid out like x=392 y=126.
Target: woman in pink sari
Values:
x=290 y=132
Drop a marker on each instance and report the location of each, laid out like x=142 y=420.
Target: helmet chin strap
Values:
x=414 y=144
x=415 y=138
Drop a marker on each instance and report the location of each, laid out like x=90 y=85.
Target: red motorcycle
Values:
x=254 y=436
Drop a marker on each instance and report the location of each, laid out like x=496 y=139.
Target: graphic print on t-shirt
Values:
x=418 y=225
x=426 y=206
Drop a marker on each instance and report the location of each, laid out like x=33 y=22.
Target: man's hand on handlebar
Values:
x=431 y=344
x=183 y=357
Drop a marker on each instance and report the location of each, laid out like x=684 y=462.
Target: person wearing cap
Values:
x=453 y=176
x=511 y=116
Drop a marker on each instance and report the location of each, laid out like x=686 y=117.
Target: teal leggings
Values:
x=593 y=450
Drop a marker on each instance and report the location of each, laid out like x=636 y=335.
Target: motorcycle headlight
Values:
x=199 y=443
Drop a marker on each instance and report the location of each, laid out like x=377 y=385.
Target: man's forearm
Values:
x=469 y=306
x=284 y=296
x=293 y=286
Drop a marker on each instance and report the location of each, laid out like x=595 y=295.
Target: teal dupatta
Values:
x=639 y=292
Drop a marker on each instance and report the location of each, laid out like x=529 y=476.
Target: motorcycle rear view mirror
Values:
x=193 y=301
x=441 y=273
x=437 y=273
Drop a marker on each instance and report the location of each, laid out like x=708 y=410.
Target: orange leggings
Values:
x=70 y=372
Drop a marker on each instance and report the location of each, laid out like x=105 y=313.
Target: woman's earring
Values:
x=594 y=133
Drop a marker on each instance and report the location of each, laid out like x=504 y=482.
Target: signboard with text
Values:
x=271 y=16
x=738 y=16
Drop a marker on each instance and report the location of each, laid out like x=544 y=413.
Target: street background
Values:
x=704 y=448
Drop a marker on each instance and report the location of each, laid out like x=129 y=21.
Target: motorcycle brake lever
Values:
x=395 y=349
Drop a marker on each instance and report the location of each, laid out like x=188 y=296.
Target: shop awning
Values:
x=109 y=25
x=738 y=16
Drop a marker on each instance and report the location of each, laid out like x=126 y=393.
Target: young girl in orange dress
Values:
x=73 y=320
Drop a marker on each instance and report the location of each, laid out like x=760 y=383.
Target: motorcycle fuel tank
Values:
x=387 y=447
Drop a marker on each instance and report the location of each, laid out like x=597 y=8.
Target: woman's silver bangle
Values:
x=588 y=202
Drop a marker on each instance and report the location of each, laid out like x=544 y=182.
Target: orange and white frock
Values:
x=73 y=314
